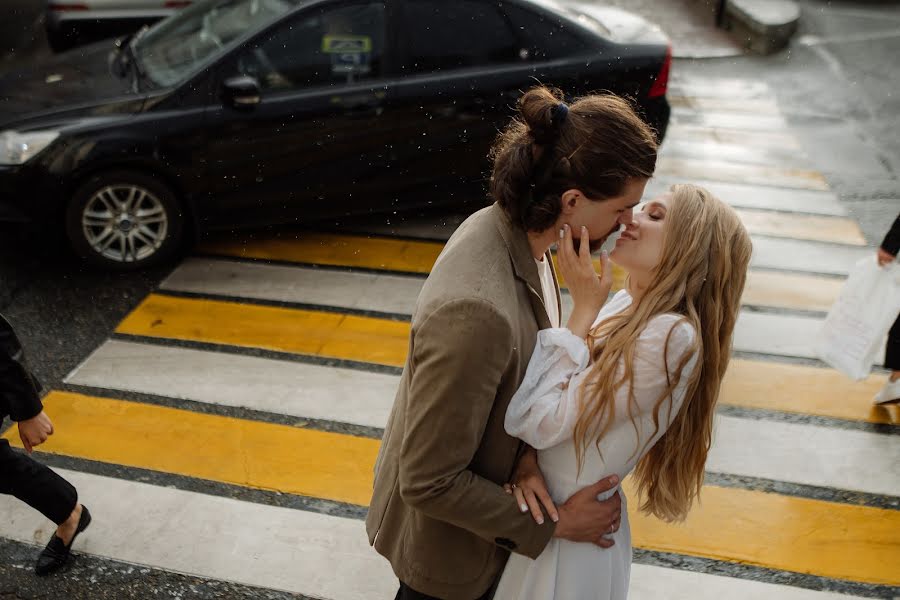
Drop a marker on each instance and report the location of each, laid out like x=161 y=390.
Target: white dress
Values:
x=543 y=413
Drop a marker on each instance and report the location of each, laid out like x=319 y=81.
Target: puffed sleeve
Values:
x=661 y=347
x=544 y=410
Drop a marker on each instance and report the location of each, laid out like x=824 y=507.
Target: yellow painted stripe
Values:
x=247 y=453
x=772 y=531
x=339 y=250
x=359 y=251
x=803 y=227
x=854 y=543
x=378 y=341
x=784 y=290
x=753 y=384
x=806 y=390
x=800 y=292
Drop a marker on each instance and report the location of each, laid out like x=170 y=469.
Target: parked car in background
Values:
x=72 y=22
x=242 y=113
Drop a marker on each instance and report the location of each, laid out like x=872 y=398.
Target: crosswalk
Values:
x=238 y=408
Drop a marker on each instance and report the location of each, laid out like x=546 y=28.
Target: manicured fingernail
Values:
x=540 y=521
x=555 y=518
x=614 y=479
x=562 y=233
x=523 y=507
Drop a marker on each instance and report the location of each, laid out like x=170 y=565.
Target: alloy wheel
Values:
x=124 y=223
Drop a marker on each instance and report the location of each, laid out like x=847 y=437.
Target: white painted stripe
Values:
x=393 y=293
x=801 y=255
x=652 y=583
x=760 y=197
x=807 y=454
x=726 y=88
x=281 y=387
x=779 y=335
x=784 y=335
x=689 y=169
x=735 y=137
x=703 y=102
x=218 y=538
x=729 y=120
x=289 y=550
x=775 y=156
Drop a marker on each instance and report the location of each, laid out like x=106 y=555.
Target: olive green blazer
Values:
x=438 y=512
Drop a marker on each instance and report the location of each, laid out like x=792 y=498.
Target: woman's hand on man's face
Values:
x=589 y=290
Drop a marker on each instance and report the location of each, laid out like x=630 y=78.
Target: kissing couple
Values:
x=499 y=474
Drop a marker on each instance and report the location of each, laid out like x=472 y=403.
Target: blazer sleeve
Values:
x=459 y=355
x=891 y=243
x=19 y=390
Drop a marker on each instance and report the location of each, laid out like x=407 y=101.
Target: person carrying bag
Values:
x=867 y=305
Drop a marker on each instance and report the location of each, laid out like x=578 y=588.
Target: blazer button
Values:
x=505 y=543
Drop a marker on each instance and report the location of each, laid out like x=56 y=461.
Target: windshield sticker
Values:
x=350 y=54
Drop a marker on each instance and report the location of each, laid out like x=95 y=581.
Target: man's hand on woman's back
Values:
x=583 y=518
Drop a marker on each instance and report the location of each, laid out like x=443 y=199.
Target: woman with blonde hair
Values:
x=632 y=386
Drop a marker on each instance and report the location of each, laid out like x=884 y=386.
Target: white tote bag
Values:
x=854 y=330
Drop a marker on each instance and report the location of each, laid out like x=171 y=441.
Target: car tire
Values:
x=125 y=221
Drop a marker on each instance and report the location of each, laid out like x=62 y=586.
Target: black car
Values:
x=242 y=113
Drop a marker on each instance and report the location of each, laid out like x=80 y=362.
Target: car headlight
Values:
x=16 y=148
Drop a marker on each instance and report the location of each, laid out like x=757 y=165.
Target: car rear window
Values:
x=443 y=35
x=545 y=37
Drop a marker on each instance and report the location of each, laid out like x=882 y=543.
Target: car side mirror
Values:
x=241 y=92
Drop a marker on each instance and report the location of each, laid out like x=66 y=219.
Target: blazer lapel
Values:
x=523 y=264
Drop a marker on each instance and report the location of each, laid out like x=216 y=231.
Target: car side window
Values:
x=443 y=35
x=324 y=46
x=545 y=37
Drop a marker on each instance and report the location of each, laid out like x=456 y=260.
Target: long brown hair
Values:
x=701 y=275
x=596 y=146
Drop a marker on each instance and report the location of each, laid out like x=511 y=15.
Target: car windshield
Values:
x=194 y=37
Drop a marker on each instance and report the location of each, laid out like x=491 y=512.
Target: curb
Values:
x=761 y=26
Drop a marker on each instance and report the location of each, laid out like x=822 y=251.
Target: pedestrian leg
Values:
x=36 y=485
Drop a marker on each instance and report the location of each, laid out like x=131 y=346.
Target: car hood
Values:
x=75 y=83
x=624 y=27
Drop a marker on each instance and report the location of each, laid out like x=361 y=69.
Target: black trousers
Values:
x=892 y=353
x=35 y=484
x=407 y=593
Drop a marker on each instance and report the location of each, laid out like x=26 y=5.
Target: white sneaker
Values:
x=888 y=394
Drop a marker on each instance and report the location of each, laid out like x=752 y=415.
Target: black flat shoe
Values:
x=56 y=554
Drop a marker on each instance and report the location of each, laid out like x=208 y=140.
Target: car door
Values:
x=313 y=141
x=465 y=65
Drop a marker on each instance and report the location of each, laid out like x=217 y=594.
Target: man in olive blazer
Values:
x=439 y=512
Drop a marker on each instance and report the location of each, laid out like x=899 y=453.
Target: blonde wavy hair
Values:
x=700 y=276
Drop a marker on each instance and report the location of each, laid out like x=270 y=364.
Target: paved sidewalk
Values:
x=689 y=23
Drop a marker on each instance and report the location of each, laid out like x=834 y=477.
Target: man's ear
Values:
x=569 y=200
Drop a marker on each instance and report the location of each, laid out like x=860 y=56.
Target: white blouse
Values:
x=544 y=410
